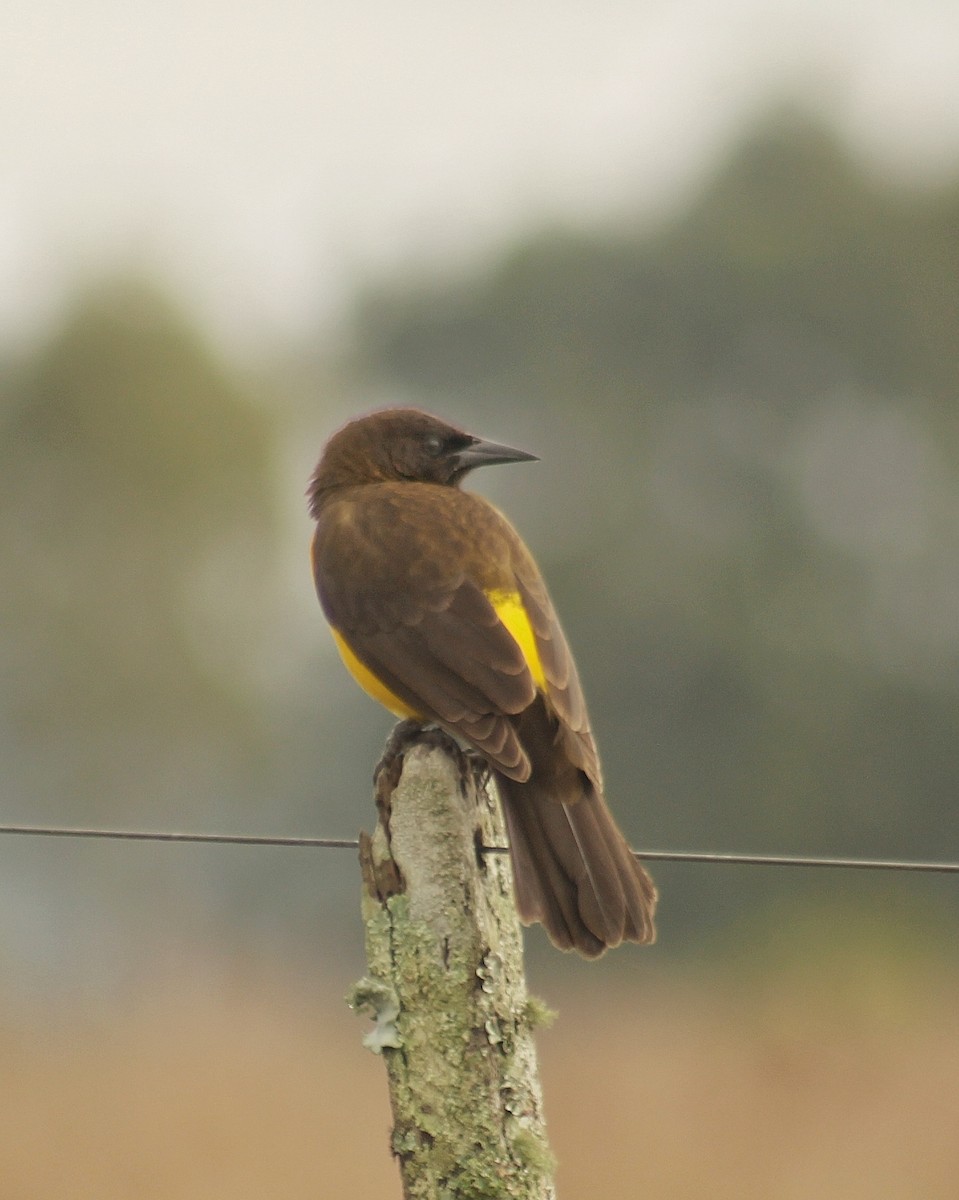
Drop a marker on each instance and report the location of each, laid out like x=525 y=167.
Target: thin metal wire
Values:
x=789 y=860
x=687 y=856
x=142 y=835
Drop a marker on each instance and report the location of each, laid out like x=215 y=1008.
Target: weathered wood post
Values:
x=446 y=987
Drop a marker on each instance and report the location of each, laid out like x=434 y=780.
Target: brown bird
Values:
x=441 y=614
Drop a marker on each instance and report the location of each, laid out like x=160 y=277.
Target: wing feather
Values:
x=563 y=689
x=408 y=596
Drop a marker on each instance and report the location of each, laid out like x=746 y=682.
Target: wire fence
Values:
x=326 y=843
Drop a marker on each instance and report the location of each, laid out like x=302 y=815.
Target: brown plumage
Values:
x=441 y=613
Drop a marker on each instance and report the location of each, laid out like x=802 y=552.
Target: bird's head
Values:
x=403 y=444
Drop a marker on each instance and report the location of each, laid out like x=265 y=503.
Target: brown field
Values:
x=840 y=1082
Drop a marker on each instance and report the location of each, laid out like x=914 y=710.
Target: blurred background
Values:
x=704 y=261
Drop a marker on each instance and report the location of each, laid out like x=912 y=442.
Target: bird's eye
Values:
x=433 y=445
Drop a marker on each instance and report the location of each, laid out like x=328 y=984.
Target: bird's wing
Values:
x=402 y=596
x=563 y=689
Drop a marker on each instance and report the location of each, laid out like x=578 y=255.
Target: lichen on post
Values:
x=446 y=986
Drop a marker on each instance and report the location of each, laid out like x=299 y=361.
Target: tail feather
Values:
x=573 y=870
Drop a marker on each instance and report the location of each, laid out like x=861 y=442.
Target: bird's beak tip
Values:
x=487 y=454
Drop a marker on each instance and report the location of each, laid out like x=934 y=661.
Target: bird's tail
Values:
x=573 y=870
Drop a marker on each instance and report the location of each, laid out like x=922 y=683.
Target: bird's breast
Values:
x=370 y=684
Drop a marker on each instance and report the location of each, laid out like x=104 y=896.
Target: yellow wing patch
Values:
x=509 y=608
x=368 y=681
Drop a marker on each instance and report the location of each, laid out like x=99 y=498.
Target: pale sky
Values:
x=265 y=157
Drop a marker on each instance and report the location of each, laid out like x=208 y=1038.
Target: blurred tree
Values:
x=793 y=265
x=135 y=504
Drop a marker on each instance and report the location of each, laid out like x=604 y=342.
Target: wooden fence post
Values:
x=446 y=987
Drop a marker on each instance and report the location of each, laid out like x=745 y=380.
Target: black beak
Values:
x=488 y=454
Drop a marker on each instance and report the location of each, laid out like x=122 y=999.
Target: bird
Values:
x=440 y=613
